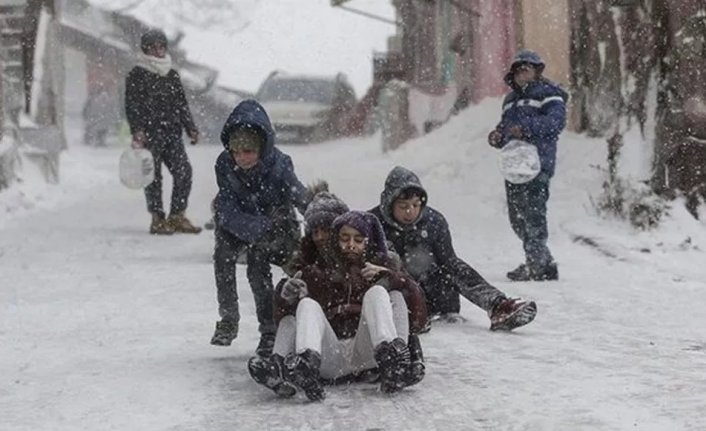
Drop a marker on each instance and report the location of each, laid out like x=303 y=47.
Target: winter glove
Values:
x=495 y=139
x=515 y=132
x=373 y=273
x=294 y=288
x=316 y=187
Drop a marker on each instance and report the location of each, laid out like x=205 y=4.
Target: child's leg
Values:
x=225 y=255
x=286 y=336
x=317 y=351
x=476 y=289
x=377 y=325
x=400 y=314
x=388 y=350
x=259 y=276
x=442 y=296
x=314 y=332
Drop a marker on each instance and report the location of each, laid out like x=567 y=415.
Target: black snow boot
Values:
x=265 y=346
x=394 y=363
x=303 y=371
x=417 y=369
x=549 y=272
x=521 y=273
x=269 y=372
x=226 y=332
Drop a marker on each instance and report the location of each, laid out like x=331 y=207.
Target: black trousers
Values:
x=227 y=249
x=168 y=149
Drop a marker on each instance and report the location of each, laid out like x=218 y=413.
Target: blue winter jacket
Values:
x=540 y=110
x=248 y=201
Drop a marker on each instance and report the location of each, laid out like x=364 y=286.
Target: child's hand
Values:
x=495 y=139
x=139 y=140
x=194 y=136
x=294 y=288
x=515 y=132
x=371 y=272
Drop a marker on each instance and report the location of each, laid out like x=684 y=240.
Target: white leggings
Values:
x=383 y=318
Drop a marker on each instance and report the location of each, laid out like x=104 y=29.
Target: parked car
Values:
x=307 y=108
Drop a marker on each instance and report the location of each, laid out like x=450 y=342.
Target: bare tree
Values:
x=620 y=49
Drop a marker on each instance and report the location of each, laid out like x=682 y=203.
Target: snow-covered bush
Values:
x=632 y=201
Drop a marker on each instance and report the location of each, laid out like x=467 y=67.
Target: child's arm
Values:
x=449 y=261
x=299 y=193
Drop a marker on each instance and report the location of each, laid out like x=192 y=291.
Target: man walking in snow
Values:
x=342 y=316
x=157 y=112
x=254 y=214
x=421 y=237
x=535 y=112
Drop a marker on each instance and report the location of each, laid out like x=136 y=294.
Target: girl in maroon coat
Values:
x=345 y=322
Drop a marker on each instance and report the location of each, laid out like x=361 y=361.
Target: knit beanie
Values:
x=323 y=209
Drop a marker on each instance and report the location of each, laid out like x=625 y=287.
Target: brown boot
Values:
x=160 y=226
x=181 y=224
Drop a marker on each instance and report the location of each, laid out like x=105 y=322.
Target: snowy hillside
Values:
x=105 y=327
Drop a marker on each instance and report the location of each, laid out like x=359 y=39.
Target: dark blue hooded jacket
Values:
x=248 y=201
x=540 y=109
x=425 y=246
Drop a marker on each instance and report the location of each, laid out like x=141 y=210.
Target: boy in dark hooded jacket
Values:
x=254 y=214
x=421 y=237
x=344 y=314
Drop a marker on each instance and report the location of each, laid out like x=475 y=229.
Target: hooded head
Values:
x=249 y=116
x=152 y=38
x=400 y=181
x=323 y=209
x=524 y=58
x=369 y=227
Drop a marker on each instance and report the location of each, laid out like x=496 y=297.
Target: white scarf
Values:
x=160 y=66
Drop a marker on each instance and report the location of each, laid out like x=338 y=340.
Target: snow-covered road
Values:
x=104 y=327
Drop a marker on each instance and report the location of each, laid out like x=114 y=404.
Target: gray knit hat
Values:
x=323 y=209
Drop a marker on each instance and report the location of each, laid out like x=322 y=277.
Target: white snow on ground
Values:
x=104 y=327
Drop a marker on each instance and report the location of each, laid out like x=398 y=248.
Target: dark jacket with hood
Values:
x=156 y=104
x=249 y=203
x=540 y=110
x=425 y=246
x=339 y=288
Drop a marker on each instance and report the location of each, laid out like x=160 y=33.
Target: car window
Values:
x=297 y=90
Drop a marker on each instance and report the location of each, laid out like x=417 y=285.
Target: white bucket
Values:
x=519 y=162
x=136 y=168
